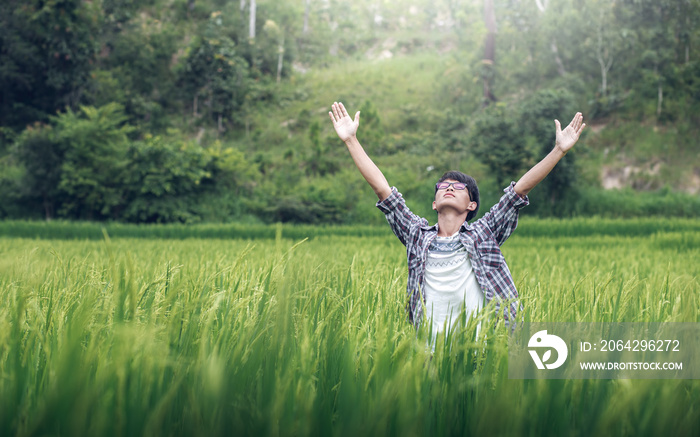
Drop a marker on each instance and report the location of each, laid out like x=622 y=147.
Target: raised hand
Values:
x=345 y=127
x=567 y=138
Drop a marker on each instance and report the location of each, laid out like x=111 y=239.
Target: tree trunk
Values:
x=307 y=8
x=280 y=59
x=454 y=8
x=251 y=22
x=604 y=59
x=488 y=62
x=542 y=6
x=557 y=59
x=604 y=68
x=603 y=80
x=47 y=208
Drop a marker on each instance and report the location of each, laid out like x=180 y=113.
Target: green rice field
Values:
x=286 y=330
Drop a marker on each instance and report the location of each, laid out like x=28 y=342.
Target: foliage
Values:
x=40 y=155
x=213 y=72
x=538 y=113
x=165 y=177
x=94 y=165
x=84 y=166
x=627 y=203
x=137 y=72
x=412 y=67
x=372 y=130
x=76 y=165
x=11 y=173
x=48 y=49
x=498 y=143
x=281 y=23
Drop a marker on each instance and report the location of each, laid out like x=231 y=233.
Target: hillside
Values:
x=412 y=95
x=410 y=89
x=215 y=111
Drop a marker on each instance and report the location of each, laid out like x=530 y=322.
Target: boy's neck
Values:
x=449 y=223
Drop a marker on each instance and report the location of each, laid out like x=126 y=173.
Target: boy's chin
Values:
x=450 y=209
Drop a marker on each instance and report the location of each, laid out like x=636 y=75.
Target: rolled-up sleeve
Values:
x=502 y=219
x=399 y=217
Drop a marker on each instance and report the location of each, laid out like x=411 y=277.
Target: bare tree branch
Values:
x=542 y=4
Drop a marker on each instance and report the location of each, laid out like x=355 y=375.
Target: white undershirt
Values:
x=450 y=285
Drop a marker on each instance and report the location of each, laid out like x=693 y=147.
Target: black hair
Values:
x=471 y=186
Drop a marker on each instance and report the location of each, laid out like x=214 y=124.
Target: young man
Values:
x=454 y=264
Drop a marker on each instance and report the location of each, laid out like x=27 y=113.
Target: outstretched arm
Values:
x=346 y=128
x=565 y=141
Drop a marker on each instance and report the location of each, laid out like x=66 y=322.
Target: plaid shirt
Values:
x=482 y=239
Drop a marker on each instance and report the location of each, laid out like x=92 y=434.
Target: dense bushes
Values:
x=663 y=203
x=85 y=166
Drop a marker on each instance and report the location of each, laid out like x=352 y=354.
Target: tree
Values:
x=603 y=55
x=274 y=46
x=251 y=21
x=542 y=6
x=605 y=42
x=41 y=155
x=662 y=32
x=164 y=180
x=537 y=115
x=498 y=142
x=320 y=159
x=489 y=61
x=135 y=70
x=373 y=134
x=94 y=142
x=307 y=10
x=47 y=50
x=213 y=72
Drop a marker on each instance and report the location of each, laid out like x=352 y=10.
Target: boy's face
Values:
x=451 y=198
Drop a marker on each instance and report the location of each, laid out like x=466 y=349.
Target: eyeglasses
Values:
x=446 y=185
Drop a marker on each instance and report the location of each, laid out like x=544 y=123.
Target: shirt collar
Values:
x=465 y=227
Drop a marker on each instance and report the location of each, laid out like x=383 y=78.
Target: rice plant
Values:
x=296 y=336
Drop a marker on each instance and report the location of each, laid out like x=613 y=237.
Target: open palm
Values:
x=344 y=126
x=567 y=138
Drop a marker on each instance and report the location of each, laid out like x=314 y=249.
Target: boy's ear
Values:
x=434 y=208
x=471 y=207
